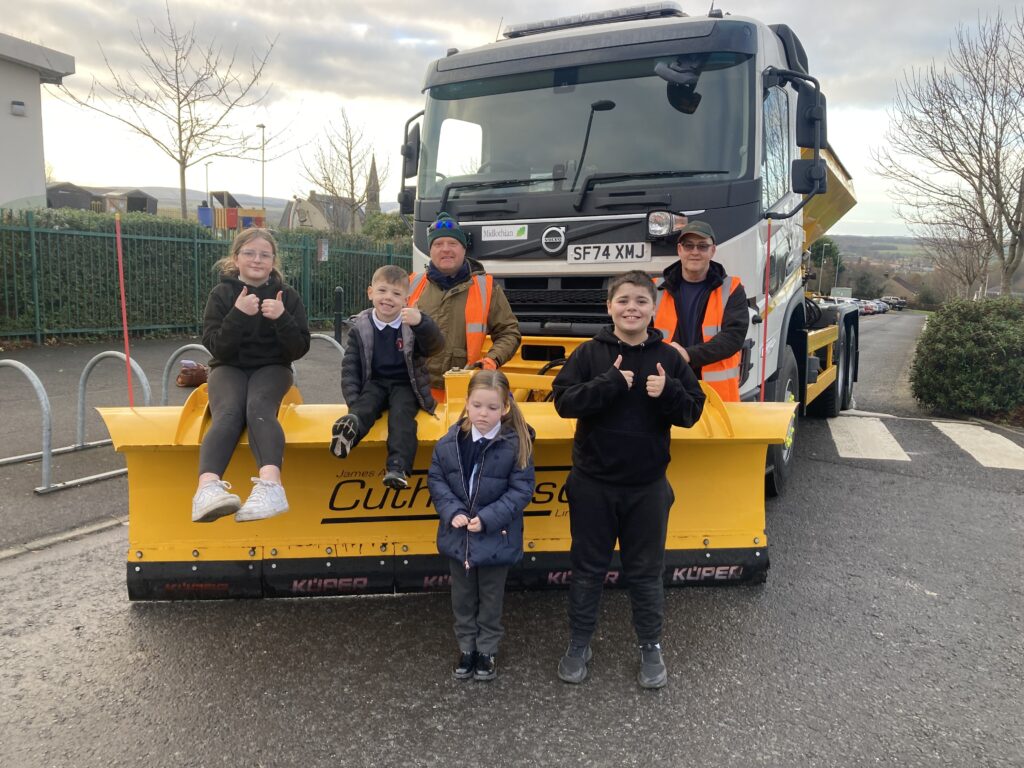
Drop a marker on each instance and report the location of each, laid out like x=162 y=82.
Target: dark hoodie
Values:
x=622 y=434
x=252 y=341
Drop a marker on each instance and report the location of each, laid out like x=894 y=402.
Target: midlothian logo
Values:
x=505 y=232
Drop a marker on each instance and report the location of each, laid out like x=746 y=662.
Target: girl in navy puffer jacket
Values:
x=481 y=479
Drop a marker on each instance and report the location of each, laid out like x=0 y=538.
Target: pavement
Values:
x=29 y=520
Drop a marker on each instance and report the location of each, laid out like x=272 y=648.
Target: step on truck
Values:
x=570 y=150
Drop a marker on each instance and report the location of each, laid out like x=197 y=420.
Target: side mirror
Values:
x=810 y=116
x=407 y=200
x=809 y=177
x=411 y=152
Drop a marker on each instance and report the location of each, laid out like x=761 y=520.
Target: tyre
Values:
x=830 y=402
x=851 y=367
x=780 y=457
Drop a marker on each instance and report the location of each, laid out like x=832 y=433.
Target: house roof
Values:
x=51 y=65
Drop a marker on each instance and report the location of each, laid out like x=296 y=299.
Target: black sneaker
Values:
x=396 y=478
x=486 y=668
x=465 y=666
x=344 y=435
x=652 y=668
x=573 y=666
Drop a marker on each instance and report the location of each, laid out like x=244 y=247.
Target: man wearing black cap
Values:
x=706 y=318
x=465 y=303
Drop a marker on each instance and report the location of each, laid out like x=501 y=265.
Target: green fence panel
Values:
x=59 y=272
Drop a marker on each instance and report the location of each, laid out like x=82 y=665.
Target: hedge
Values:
x=970 y=358
x=67 y=258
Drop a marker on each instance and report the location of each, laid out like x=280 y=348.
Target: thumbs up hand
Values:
x=249 y=303
x=656 y=383
x=273 y=308
x=627 y=375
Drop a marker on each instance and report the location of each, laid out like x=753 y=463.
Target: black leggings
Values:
x=239 y=398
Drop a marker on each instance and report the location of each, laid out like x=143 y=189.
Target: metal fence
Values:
x=59 y=276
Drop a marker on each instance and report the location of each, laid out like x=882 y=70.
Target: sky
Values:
x=369 y=58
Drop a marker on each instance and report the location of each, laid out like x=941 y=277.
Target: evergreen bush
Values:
x=970 y=358
x=67 y=258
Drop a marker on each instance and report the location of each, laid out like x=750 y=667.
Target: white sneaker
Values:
x=212 y=502
x=266 y=500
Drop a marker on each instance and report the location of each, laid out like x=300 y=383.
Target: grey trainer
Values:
x=343 y=435
x=212 y=502
x=396 y=478
x=652 y=667
x=572 y=668
x=266 y=500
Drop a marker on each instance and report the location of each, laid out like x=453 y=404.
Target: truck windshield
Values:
x=553 y=129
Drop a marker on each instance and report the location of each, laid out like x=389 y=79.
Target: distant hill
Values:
x=903 y=250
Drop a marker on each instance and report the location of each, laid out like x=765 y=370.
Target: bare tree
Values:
x=953 y=145
x=182 y=96
x=340 y=164
x=960 y=251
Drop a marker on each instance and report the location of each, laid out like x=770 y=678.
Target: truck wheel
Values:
x=851 y=357
x=829 y=403
x=780 y=457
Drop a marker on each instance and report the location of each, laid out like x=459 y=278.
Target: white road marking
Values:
x=865 y=438
x=987 y=448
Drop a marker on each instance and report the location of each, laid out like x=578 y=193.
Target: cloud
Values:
x=371 y=57
x=356 y=49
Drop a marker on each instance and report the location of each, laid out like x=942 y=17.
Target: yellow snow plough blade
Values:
x=348 y=533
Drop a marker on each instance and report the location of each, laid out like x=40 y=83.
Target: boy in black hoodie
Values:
x=626 y=389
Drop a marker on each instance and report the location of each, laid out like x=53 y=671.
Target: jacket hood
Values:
x=274 y=280
x=673 y=275
x=607 y=336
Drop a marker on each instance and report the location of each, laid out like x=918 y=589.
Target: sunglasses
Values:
x=443 y=224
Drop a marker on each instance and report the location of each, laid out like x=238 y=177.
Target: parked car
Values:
x=896 y=302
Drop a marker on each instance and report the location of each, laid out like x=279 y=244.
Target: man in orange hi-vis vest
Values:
x=702 y=311
x=464 y=301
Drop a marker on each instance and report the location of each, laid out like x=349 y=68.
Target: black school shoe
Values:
x=486 y=668
x=465 y=666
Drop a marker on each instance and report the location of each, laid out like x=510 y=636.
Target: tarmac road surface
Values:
x=888 y=633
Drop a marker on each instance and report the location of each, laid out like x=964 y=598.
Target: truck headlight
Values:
x=664 y=223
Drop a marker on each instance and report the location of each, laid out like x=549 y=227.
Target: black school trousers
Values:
x=637 y=517
x=397 y=398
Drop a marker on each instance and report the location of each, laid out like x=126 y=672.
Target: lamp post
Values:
x=263 y=162
x=208 y=162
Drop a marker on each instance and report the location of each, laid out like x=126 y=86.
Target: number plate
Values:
x=608 y=253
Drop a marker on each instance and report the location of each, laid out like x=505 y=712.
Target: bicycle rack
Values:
x=80 y=445
x=200 y=348
x=170 y=364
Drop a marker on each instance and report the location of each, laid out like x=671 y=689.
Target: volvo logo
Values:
x=553 y=240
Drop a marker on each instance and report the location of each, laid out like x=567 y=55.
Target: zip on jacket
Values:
x=476 y=492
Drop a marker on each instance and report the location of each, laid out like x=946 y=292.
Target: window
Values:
x=775 y=161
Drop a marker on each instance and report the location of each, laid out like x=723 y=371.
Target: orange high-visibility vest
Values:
x=723 y=375
x=478 y=307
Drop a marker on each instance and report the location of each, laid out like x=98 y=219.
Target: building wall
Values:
x=22 y=168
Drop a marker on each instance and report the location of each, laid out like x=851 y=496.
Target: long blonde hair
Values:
x=498 y=382
x=227 y=266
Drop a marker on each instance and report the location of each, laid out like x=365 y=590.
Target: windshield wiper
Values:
x=492 y=185
x=599 y=178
